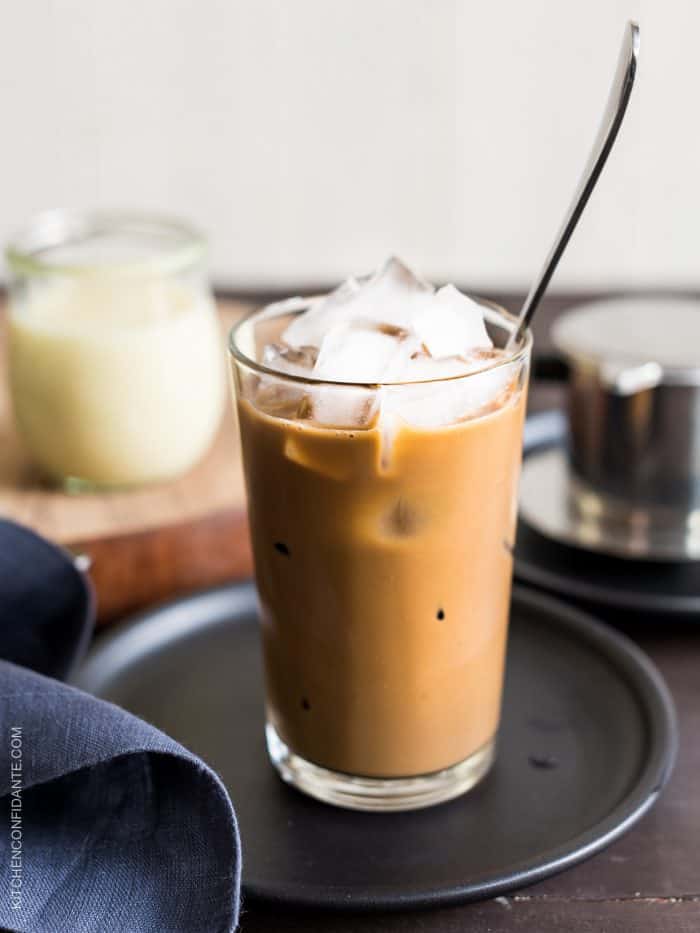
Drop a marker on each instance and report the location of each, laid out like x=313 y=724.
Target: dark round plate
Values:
x=588 y=740
x=600 y=580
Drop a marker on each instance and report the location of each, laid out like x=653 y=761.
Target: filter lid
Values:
x=660 y=329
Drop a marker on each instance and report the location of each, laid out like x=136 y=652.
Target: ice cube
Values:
x=351 y=353
x=436 y=404
x=280 y=396
x=343 y=406
x=310 y=327
x=296 y=361
x=394 y=278
x=451 y=324
x=392 y=296
x=283 y=399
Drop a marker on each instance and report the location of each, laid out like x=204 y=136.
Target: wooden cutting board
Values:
x=147 y=545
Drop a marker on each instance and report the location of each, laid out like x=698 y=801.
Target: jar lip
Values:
x=28 y=251
x=492 y=311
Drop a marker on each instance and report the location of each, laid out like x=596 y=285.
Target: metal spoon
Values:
x=607 y=133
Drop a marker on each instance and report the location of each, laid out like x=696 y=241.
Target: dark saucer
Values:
x=599 y=580
x=588 y=739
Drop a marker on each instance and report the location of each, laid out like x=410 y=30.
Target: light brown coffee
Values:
x=384 y=585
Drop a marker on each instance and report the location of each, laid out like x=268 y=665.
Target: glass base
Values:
x=378 y=794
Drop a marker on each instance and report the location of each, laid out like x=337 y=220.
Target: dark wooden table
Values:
x=647 y=882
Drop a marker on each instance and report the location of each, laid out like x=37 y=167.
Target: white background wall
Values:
x=312 y=137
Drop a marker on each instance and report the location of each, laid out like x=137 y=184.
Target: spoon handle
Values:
x=607 y=133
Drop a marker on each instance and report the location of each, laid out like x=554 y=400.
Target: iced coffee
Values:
x=381 y=428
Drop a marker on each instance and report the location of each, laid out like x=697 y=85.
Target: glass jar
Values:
x=115 y=360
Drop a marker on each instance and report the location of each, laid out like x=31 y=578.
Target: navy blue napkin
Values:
x=110 y=826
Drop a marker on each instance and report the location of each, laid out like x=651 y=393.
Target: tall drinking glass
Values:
x=383 y=556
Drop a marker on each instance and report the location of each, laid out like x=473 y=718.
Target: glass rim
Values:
x=26 y=251
x=300 y=304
